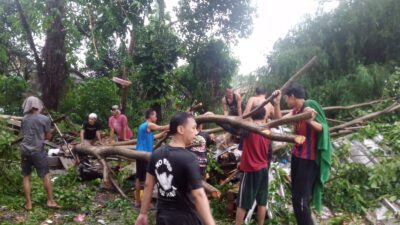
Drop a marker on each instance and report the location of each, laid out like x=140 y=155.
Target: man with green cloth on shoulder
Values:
x=311 y=161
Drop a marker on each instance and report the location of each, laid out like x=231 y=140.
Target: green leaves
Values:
x=224 y=19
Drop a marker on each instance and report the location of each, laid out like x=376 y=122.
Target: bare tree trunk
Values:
x=126 y=68
x=55 y=67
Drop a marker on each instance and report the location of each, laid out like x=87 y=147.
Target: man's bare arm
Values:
x=202 y=206
x=225 y=107
x=239 y=104
x=146 y=200
x=153 y=126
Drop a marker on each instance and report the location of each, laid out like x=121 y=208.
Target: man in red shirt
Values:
x=254 y=164
x=304 y=170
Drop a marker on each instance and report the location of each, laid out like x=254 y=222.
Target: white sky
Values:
x=274 y=19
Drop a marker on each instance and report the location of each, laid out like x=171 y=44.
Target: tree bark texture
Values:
x=55 y=70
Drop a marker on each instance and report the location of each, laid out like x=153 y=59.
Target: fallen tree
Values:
x=239 y=122
x=102 y=152
x=357 y=121
x=345 y=107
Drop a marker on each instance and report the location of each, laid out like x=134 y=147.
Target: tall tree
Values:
x=219 y=19
x=51 y=67
x=207 y=73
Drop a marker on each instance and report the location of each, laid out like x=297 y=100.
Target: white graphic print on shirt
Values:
x=164 y=175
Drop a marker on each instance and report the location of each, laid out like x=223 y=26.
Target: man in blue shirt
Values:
x=145 y=142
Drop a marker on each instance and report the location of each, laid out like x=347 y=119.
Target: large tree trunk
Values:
x=55 y=67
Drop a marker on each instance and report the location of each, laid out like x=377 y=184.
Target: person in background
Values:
x=118 y=123
x=232 y=103
x=35 y=128
x=145 y=142
x=199 y=148
x=90 y=131
x=257 y=100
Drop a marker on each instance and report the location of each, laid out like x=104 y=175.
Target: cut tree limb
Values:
x=286 y=85
x=347 y=107
x=289 y=119
x=241 y=123
x=101 y=152
x=395 y=106
x=214 y=130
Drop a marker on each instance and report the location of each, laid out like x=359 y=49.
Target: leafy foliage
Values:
x=12 y=89
x=227 y=19
x=356 y=48
x=208 y=72
x=94 y=95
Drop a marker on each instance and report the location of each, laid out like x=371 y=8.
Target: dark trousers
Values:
x=303 y=173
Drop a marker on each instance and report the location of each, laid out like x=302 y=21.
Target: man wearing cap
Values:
x=118 y=123
x=35 y=128
x=90 y=130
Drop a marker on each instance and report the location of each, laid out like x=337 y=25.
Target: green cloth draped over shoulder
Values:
x=323 y=153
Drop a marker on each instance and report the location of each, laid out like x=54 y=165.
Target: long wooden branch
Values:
x=289 y=119
x=8 y=117
x=395 y=106
x=340 y=107
x=286 y=85
x=347 y=107
x=213 y=130
x=241 y=123
x=92 y=28
x=27 y=28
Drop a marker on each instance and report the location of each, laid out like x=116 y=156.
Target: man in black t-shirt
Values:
x=175 y=173
x=90 y=130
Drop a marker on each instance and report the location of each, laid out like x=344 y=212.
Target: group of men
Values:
x=174 y=172
x=177 y=174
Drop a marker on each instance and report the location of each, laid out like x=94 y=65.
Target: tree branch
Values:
x=26 y=27
x=286 y=85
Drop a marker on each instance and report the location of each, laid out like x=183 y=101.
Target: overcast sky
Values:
x=274 y=19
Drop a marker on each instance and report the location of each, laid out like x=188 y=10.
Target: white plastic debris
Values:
x=53 y=151
x=370 y=144
x=378 y=138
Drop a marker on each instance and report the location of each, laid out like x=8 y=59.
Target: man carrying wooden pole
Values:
x=311 y=160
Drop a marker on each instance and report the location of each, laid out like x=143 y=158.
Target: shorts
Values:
x=253 y=186
x=175 y=217
x=37 y=160
x=141 y=169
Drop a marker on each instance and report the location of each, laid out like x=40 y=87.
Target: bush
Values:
x=92 y=95
x=12 y=89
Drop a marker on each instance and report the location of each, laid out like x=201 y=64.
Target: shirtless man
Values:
x=257 y=100
x=232 y=103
